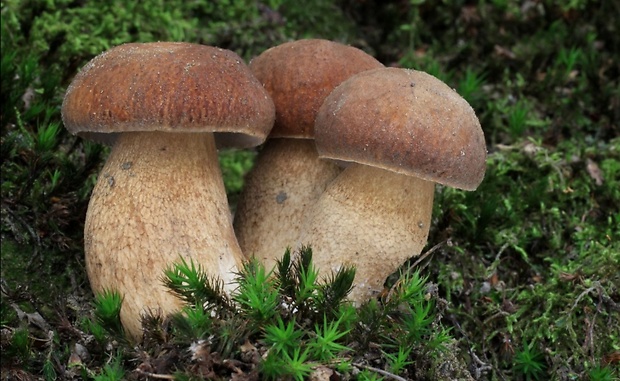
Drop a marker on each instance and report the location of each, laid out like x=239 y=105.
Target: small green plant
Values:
x=305 y=291
x=194 y=323
x=49 y=373
x=301 y=319
x=97 y=330
x=469 y=87
x=529 y=363
x=283 y=337
x=190 y=282
x=107 y=311
x=290 y=364
x=257 y=295
x=567 y=60
x=517 y=119
x=601 y=373
x=113 y=371
x=21 y=344
x=106 y=323
x=367 y=375
x=324 y=343
x=209 y=311
x=399 y=360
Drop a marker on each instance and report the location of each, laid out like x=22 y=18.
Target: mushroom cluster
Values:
x=353 y=154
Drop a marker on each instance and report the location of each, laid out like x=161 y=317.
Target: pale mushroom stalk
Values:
x=392 y=215
x=287 y=179
x=159 y=198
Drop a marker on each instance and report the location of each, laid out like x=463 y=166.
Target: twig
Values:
x=380 y=371
x=427 y=253
x=481 y=365
x=495 y=316
x=590 y=324
x=596 y=287
x=155 y=375
x=230 y=364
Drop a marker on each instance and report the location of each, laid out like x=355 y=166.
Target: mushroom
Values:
x=400 y=131
x=288 y=176
x=160 y=196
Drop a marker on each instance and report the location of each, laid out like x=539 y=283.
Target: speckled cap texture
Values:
x=168 y=86
x=405 y=121
x=300 y=74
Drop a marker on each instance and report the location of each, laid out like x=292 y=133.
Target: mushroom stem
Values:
x=287 y=179
x=373 y=219
x=160 y=197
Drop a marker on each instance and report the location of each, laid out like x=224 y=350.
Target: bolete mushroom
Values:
x=401 y=131
x=288 y=176
x=160 y=196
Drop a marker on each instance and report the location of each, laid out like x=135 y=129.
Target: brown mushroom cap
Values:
x=405 y=121
x=172 y=87
x=300 y=74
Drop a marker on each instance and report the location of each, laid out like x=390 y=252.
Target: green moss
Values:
x=535 y=253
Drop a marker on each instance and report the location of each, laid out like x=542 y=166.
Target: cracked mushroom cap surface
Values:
x=300 y=74
x=406 y=121
x=170 y=87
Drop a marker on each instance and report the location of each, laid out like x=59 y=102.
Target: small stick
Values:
x=155 y=375
x=427 y=253
x=381 y=372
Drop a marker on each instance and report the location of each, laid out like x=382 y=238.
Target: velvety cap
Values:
x=169 y=86
x=405 y=121
x=300 y=74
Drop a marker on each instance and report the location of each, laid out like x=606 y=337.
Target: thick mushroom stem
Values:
x=373 y=219
x=286 y=181
x=160 y=197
